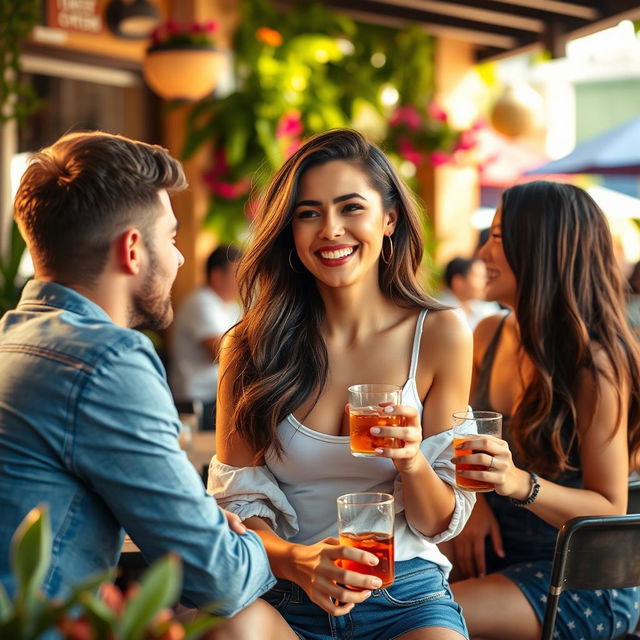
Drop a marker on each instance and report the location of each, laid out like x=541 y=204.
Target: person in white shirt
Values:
x=200 y=323
x=466 y=282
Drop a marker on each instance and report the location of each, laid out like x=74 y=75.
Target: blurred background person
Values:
x=466 y=283
x=200 y=323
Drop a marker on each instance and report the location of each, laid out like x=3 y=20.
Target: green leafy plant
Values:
x=10 y=282
x=17 y=98
x=140 y=614
x=298 y=73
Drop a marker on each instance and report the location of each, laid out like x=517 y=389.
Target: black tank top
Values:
x=526 y=537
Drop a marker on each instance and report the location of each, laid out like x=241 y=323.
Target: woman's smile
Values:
x=337 y=255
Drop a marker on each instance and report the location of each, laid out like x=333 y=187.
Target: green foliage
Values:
x=142 y=615
x=300 y=72
x=10 y=285
x=17 y=99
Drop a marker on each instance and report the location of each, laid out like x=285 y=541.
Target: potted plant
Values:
x=183 y=61
x=96 y=608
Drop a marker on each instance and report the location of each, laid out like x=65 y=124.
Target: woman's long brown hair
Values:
x=278 y=356
x=570 y=300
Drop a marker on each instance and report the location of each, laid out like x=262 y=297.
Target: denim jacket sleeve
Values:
x=126 y=449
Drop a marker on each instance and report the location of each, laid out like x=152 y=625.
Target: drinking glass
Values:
x=365 y=411
x=467 y=426
x=365 y=521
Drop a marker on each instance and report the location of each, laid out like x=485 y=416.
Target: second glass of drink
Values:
x=366 y=521
x=366 y=410
x=467 y=427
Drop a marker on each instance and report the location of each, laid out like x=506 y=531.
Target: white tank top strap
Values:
x=415 y=352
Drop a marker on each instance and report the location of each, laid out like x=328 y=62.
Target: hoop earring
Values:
x=387 y=259
x=291 y=263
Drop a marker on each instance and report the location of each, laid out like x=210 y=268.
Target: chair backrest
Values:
x=594 y=552
x=634 y=497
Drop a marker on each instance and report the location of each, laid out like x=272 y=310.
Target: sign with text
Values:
x=75 y=15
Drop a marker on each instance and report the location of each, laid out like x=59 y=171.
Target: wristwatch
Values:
x=533 y=494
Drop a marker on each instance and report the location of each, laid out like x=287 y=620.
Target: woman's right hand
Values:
x=469 y=546
x=320 y=577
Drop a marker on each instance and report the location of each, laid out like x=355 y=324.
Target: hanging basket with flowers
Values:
x=183 y=61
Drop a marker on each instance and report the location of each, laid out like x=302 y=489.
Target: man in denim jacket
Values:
x=87 y=423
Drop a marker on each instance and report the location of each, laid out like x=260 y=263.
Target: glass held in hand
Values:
x=366 y=410
x=366 y=522
x=467 y=427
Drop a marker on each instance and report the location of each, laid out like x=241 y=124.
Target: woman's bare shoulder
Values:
x=445 y=332
x=486 y=329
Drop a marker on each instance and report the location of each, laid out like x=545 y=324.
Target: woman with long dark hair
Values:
x=564 y=370
x=332 y=299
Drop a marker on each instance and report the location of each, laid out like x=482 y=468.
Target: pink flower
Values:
x=407 y=115
x=439 y=158
x=408 y=151
x=224 y=188
x=210 y=25
x=466 y=141
x=437 y=112
x=220 y=164
x=292 y=148
x=290 y=125
x=173 y=27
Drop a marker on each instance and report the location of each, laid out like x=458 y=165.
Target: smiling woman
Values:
x=334 y=227
x=332 y=299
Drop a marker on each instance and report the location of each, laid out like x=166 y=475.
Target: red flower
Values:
x=437 y=112
x=439 y=158
x=407 y=115
x=290 y=124
x=408 y=151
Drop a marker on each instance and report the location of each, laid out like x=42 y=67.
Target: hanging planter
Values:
x=182 y=62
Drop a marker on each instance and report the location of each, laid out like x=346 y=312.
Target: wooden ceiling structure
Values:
x=496 y=28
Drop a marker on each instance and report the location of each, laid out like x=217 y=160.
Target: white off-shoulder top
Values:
x=297 y=491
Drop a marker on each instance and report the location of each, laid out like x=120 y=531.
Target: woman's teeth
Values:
x=338 y=253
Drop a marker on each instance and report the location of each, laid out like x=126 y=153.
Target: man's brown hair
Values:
x=79 y=194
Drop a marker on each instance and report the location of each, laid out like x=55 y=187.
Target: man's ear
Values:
x=129 y=247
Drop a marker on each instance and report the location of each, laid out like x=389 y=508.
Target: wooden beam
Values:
x=481 y=38
x=467 y=12
x=556 y=6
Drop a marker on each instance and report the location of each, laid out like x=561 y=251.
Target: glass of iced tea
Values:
x=467 y=426
x=366 y=410
x=365 y=521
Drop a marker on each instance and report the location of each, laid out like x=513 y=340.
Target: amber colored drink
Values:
x=363 y=443
x=381 y=545
x=467 y=483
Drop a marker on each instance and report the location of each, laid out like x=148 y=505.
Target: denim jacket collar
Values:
x=52 y=294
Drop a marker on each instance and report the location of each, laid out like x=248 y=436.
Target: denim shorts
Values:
x=582 y=615
x=419 y=597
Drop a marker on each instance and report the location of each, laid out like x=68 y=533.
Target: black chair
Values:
x=594 y=552
x=634 y=497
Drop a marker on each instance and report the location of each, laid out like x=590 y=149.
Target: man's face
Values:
x=151 y=303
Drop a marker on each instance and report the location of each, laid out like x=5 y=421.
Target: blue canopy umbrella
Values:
x=615 y=152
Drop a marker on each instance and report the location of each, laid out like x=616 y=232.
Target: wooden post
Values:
x=451 y=192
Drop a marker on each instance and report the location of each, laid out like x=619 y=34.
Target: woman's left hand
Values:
x=408 y=435
x=494 y=454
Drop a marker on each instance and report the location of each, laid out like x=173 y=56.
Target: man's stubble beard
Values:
x=149 y=309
